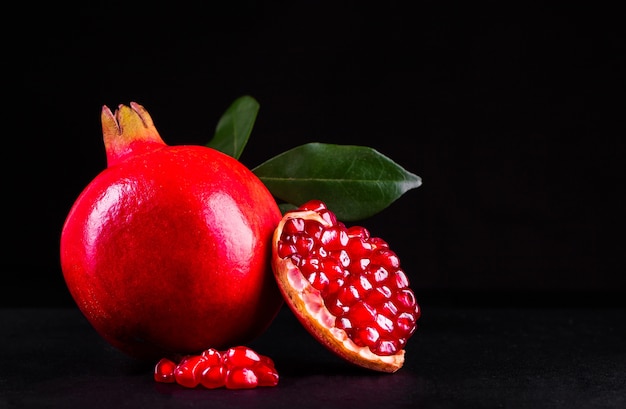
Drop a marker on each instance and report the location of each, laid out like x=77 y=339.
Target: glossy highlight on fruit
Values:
x=167 y=251
x=237 y=367
x=345 y=286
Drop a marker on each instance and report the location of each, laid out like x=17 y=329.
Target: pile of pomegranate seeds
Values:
x=358 y=276
x=236 y=368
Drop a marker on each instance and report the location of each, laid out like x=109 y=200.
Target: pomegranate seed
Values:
x=212 y=356
x=379 y=295
x=309 y=265
x=384 y=323
x=241 y=378
x=313 y=205
x=186 y=373
x=335 y=306
x=405 y=323
x=406 y=298
x=164 y=371
x=387 y=347
x=313 y=229
x=358 y=248
x=213 y=377
x=318 y=280
x=241 y=356
x=378 y=242
x=379 y=273
x=236 y=368
x=362 y=313
x=390 y=308
x=365 y=284
x=333 y=288
x=359 y=266
x=286 y=249
x=266 y=375
x=386 y=258
x=333 y=269
x=348 y=295
x=367 y=336
x=334 y=238
x=358 y=232
x=417 y=311
x=304 y=245
x=329 y=217
x=401 y=280
x=293 y=226
x=343 y=257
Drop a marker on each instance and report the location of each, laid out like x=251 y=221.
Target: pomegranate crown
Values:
x=128 y=131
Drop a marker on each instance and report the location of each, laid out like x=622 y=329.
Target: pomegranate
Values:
x=346 y=287
x=167 y=251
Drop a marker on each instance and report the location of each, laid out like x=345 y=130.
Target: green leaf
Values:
x=355 y=182
x=235 y=126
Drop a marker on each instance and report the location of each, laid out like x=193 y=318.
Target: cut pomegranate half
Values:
x=346 y=287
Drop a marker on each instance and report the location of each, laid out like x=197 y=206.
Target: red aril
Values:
x=347 y=288
x=237 y=367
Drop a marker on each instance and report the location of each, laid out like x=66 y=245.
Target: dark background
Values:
x=513 y=117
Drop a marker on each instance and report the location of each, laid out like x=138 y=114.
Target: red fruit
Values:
x=236 y=368
x=168 y=249
x=164 y=371
x=188 y=371
x=347 y=288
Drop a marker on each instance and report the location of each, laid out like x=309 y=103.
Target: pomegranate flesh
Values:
x=346 y=287
x=167 y=251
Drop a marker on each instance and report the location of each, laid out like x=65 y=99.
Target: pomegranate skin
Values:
x=167 y=251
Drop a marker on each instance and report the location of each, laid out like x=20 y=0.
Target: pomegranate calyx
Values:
x=128 y=131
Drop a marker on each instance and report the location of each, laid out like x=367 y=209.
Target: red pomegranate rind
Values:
x=345 y=287
x=236 y=368
x=167 y=250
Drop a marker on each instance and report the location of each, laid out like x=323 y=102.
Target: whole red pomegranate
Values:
x=167 y=251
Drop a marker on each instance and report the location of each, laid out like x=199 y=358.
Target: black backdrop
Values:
x=512 y=116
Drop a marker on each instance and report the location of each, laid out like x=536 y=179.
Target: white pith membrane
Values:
x=301 y=296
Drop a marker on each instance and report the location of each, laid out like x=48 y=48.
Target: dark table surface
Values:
x=460 y=357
